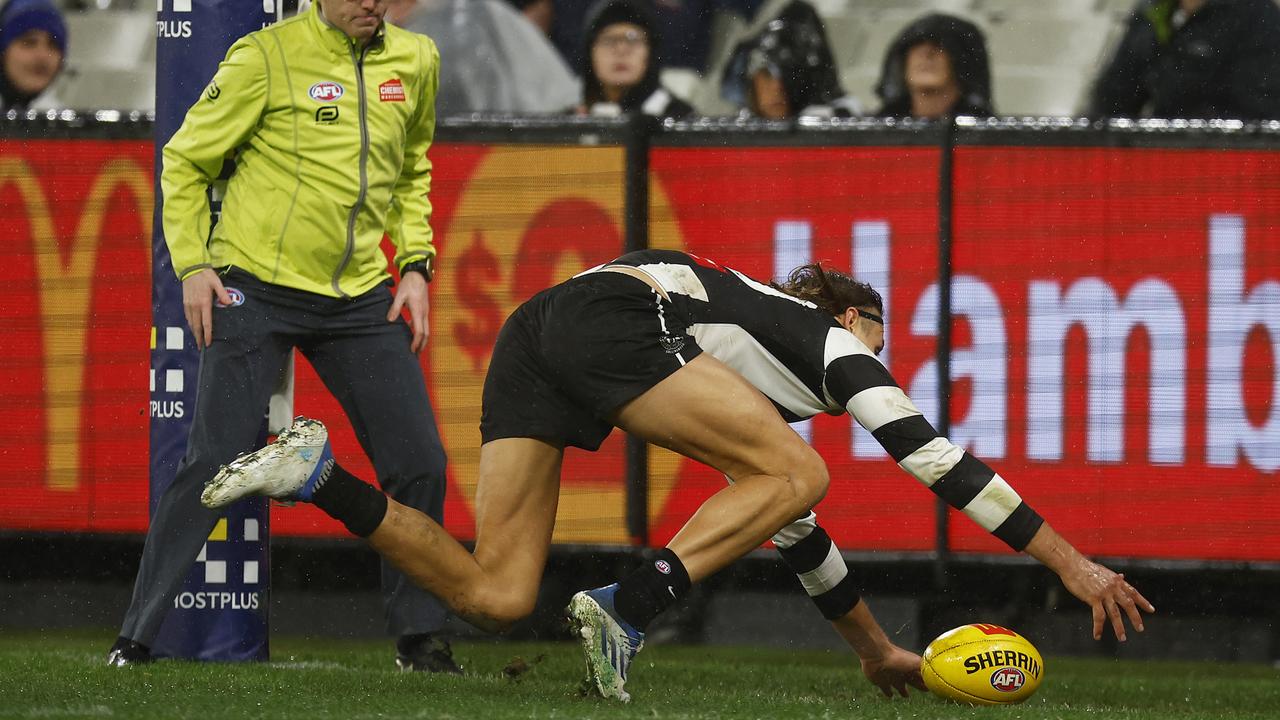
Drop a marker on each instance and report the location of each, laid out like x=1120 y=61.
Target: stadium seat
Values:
x=1115 y=8
x=682 y=82
x=1041 y=92
x=111 y=38
x=849 y=39
x=111 y=63
x=875 y=29
x=918 y=7
x=1046 y=41
x=99 y=88
x=1043 y=64
x=1067 y=8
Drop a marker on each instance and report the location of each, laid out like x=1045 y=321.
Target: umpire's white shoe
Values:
x=287 y=469
x=608 y=641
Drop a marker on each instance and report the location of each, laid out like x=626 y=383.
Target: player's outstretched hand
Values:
x=894 y=670
x=1104 y=591
x=1110 y=596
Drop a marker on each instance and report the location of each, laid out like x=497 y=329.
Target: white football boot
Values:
x=287 y=469
x=609 y=642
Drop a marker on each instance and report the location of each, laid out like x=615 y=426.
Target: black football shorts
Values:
x=573 y=354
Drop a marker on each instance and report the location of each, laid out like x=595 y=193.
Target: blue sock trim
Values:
x=324 y=467
x=605 y=596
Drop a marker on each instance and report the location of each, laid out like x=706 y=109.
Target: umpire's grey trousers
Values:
x=365 y=362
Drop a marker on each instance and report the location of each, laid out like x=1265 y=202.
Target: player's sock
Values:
x=351 y=501
x=821 y=569
x=651 y=589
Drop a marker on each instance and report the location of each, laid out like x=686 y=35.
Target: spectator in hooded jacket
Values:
x=787 y=70
x=1195 y=59
x=620 y=73
x=33 y=50
x=937 y=67
x=684 y=27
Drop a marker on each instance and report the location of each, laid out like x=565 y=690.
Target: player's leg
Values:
x=807 y=549
x=708 y=412
x=237 y=374
x=391 y=414
x=516 y=499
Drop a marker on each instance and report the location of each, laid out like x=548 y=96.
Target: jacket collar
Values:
x=336 y=41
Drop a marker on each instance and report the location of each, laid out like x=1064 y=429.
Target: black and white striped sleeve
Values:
x=863 y=386
x=816 y=560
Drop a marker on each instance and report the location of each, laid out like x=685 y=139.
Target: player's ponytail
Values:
x=831 y=290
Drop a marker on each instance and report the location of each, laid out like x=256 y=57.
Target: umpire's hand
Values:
x=198 y=292
x=411 y=293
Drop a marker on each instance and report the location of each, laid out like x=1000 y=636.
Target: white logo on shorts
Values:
x=237 y=299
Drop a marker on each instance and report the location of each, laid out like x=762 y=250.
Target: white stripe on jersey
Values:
x=932 y=461
x=680 y=279
x=736 y=348
x=841 y=342
x=878 y=406
x=825 y=576
x=795 y=532
x=993 y=505
x=767 y=290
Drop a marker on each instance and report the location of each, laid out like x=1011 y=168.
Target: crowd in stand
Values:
x=1175 y=59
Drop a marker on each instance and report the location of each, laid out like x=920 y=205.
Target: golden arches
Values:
x=65 y=292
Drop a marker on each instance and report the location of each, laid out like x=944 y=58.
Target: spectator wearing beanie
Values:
x=787 y=70
x=623 y=62
x=33 y=46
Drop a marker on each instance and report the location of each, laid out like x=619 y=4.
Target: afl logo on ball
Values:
x=663 y=566
x=1008 y=679
x=325 y=92
x=237 y=298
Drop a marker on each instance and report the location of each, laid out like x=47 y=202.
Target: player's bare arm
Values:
x=1107 y=593
x=886 y=665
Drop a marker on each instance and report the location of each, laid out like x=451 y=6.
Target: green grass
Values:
x=63 y=676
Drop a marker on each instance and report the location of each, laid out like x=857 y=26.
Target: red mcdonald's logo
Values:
x=66 y=273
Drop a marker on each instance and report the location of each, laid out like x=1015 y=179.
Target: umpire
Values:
x=328 y=116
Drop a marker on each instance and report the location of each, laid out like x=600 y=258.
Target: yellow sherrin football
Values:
x=982 y=664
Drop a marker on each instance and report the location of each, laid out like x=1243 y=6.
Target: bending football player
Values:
x=699 y=359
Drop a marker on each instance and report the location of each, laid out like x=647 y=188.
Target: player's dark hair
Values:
x=831 y=290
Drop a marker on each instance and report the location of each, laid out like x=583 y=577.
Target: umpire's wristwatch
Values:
x=426 y=267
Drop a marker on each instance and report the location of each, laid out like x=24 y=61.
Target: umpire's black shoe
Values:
x=424 y=653
x=128 y=652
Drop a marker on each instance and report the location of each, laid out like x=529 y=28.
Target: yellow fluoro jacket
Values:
x=330 y=143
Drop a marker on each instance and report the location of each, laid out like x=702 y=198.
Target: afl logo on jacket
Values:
x=325 y=92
